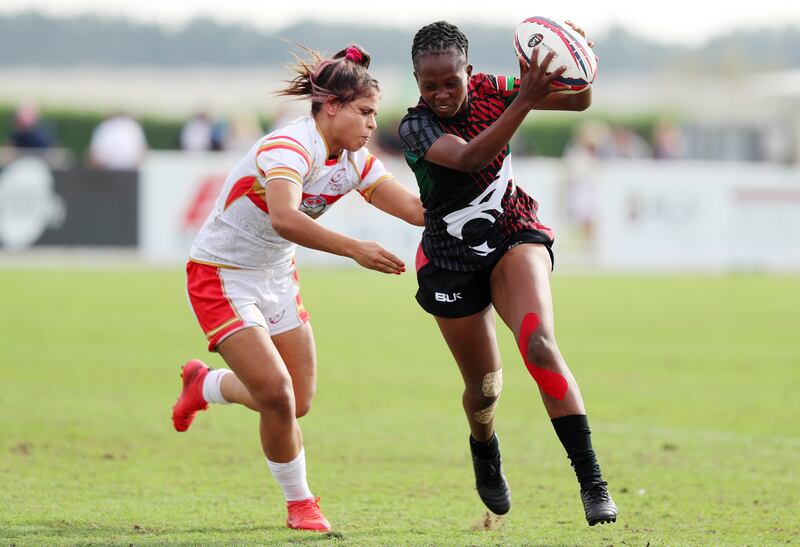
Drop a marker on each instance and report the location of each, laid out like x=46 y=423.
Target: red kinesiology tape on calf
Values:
x=552 y=383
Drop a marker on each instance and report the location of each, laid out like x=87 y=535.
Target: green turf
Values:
x=690 y=384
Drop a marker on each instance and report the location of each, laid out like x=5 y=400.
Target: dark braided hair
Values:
x=438 y=38
x=343 y=77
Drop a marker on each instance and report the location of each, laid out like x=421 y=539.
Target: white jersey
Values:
x=238 y=232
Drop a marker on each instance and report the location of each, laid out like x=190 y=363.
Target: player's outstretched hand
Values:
x=580 y=31
x=535 y=81
x=374 y=257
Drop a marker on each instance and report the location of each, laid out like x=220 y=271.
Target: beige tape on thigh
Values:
x=491 y=387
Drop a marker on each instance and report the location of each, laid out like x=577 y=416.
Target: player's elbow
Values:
x=471 y=163
x=414 y=213
x=282 y=224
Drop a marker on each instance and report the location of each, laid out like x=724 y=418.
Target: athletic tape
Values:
x=552 y=383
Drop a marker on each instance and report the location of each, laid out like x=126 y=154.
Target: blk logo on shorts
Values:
x=447 y=297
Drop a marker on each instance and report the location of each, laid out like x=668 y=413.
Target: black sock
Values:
x=574 y=433
x=486 y=449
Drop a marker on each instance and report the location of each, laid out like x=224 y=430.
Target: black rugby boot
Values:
x=598 y=505
x=489 y=478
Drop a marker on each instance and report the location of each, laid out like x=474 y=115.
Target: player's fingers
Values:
x=590 y=43
x=524 y=66
x=534 y=57
x=546 y=61
x=576 y=28
x=556 y=73
x=395 y=261
x=388 y=267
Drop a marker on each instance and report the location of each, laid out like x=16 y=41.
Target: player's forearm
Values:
x=484 y=148
x=298 y=228
x=571 y=102
x=401 y=204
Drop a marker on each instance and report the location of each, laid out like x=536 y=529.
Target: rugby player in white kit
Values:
x=242 y=281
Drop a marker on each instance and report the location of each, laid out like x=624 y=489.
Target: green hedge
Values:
x=548 y=134
x=73 y=129
x=543 y=134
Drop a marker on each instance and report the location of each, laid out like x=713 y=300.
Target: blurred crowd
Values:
x=120 y=142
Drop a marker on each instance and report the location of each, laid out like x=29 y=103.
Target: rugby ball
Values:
x=570 y=49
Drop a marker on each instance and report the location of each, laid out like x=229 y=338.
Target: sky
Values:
x=672 y=21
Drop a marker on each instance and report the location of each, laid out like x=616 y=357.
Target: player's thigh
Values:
x=224 y=300
x=252 y=355
x=298 y=350
x=520 y=285
x=473 y=343
x=287 y=322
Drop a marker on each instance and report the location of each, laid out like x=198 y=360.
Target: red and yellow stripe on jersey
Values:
x=284 y=154
x=366 y=172
x=250 y=187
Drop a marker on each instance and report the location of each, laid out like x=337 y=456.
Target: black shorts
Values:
x=451 y=294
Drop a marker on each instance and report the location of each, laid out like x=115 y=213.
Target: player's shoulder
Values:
x=484 y=84
x=419 y=111
x=299 y=132
x=415 y=117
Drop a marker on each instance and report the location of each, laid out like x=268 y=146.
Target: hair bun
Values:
x=353 y=54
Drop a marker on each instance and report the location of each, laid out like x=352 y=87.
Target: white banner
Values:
x=697 y=216
x=178 y=190
x=651 y=215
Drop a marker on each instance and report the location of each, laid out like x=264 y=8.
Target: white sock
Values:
x=212 y=384
x=292 y=477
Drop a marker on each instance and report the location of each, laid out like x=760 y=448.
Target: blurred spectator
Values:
x=117 y=143
x=776 y=143
x=28 y=130
x=219 y=134
x=196 y=133
x=592 y=142
x=629 y=145
x=668 y=142
x=591 y=139
x=243 y=131
x=284 y=114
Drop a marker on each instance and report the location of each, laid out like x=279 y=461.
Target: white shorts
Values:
x=226 y=300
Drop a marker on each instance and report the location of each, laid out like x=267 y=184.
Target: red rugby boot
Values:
x=306 y=515
x=191 y=399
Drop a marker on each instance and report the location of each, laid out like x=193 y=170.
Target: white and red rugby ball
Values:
x=570 y=47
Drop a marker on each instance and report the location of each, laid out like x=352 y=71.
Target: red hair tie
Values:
x=353 y=55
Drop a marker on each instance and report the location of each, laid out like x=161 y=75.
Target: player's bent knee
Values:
x=492 y=384
x=542 y=350
x=275 y=398
x=302 y=408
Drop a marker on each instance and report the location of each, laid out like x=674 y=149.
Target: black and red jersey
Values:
x=469 y=217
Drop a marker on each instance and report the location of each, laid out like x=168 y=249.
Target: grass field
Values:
x=691 y=386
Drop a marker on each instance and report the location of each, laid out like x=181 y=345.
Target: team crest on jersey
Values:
x=313 y=206
x=337 y=176
x=336 y=180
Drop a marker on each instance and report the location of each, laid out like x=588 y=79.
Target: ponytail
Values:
x=342 y=78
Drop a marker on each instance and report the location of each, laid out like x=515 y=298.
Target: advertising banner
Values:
x=66 y=206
